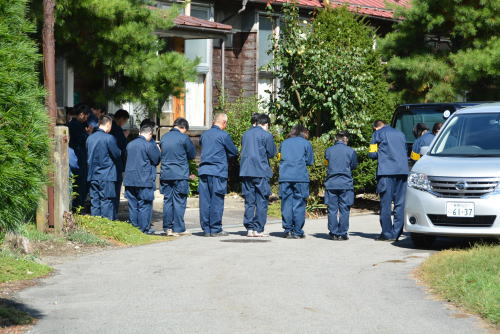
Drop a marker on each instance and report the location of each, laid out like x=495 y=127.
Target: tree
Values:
x=330 y=76
x=24 y=139
x=444 y=49
x=113 y=42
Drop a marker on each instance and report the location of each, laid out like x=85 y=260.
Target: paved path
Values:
x=242 y=285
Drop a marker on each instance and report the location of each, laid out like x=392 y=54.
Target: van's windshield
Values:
x=470 y=135
x=406 y=120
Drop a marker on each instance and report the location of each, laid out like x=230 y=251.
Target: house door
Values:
x=178 y=104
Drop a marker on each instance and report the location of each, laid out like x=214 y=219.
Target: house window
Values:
x=268 y=27
x=198 y=90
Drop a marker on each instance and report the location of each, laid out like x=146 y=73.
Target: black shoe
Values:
x=302 y=236
x=334 y=237
x=343 y=238
x=220 y=234
x=382 y=238
x=150 y=232
x=287 y=235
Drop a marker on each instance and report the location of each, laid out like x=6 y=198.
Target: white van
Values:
x=454 y=189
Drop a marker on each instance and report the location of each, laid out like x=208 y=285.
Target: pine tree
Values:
x=23 y=120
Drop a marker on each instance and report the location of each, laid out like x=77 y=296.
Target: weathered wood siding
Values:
x=240 y=67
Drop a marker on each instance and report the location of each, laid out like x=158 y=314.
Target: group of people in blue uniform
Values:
x=104 y=154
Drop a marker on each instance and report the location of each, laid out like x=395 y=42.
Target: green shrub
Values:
x=365 y=180
x=24 y=139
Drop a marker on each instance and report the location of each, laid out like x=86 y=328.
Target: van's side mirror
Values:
x=424 y=150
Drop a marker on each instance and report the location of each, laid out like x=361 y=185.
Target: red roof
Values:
x=375 y=8
x=183 y=20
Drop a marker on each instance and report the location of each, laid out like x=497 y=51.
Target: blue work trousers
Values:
x=102 y=199
x=174 y=204
x=140 y=206
x=293 y=206
x=392 y=189
x=339 y=202
x=211 y=190
x=256 y=191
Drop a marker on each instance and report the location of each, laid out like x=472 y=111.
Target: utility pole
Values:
x=49 y=76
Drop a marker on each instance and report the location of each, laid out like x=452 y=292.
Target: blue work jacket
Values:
x=296 y=153
x=257 y=147
x=77 y=140
x=121 y=141
x=103 y=153
x=388 y=146
x=93 y=121
x=142 y=157
x=424 y=140
x=176 y=151
x=342 y=160
x=216 y=148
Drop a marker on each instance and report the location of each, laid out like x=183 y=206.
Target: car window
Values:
x=470 y=135
x=406 y=120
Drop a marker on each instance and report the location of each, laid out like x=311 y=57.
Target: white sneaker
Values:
x=185 y=233
x=171 y=233
x=260 y=234
x=251 y=233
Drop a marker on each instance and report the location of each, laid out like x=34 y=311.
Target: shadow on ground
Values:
x=13 y=314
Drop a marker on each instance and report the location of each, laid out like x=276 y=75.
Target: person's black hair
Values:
x=341 y=135
x=105 y=119
x=181 y=123
x=378 y=123
x=147 y=128
x=255 y=117
x=419 y=129
x=263 y=119
x=299 y=130
x=70 y=111
x=148 y=121
x=81 y=108
x=436 y=127
x=121 y=114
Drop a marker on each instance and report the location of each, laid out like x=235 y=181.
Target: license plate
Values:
x=454 y=209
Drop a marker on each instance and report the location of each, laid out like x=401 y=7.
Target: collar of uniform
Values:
x=99 y=129
x=339 y=142
x=216 y=127
x=142 y=137
x=174 y=129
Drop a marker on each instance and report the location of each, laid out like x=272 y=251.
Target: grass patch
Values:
x=16 y=267
x=116 y=231
x=469 y=278
x=32 y=234
x=85 y=238
x=274 y=209
x=11 y=316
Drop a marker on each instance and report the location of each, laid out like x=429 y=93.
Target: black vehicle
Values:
x=407 y=116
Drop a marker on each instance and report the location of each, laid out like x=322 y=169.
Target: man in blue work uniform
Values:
x=94 y=117
x=256 y=150
x=103 y=154
x=77 y=141
x=339 y=186
x=388 y=146
x=296 y=153
x=424 y=138
x=176 y=151
x=140 y=176
x=120 y=118
x=216 y=148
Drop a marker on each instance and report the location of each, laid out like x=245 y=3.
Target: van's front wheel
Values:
x=422 y=240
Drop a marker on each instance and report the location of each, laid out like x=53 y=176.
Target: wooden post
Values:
x=61 y=177
x=42 y=212
x=49 y=76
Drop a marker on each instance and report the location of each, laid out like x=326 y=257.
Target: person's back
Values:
x=342 y=159
x=176 y=151
x=390 y=151
x=424 y=140
x=256 y=150
x=103 y=154
x=141 y=159
x=296 y=154
x=216 y=147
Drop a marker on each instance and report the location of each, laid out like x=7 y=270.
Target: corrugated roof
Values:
x=190 y=21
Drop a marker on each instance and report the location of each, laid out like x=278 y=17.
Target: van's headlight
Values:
x=419 y=181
